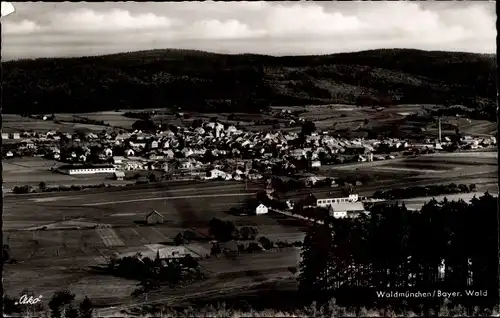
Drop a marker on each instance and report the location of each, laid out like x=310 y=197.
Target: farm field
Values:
x=434 y=163
x=69 y=245
x=16 y=123
x=32 y=171
x=339 y=117
x=468 y=167
x=417 y=203
x=112 y=118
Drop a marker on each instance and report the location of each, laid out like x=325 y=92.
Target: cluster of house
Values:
x=351 y=206
x=211 y=147
x=7 y=136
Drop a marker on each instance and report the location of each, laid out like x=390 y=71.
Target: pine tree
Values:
x=316 y=256
x=86 y=309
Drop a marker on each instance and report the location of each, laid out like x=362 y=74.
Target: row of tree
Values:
x=284 y=185
x=42 y=187
x=224 y=231
x=449 y=246
x=424 y=191
x=171 y=271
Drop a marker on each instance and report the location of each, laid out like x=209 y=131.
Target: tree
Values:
x=315 y=256
x=86 y=309
x=266 y=243
x=6 y=253
x=179 y=239
x=248 y=233
x=197 y=123
x=71 y=312
x=145 y=125
x=221 y=230
x=10 y=305
x=42 y=186
x=59 y=300
x=308 y=128
x=152 y=177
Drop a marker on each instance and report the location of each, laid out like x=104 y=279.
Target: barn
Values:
x=154 y=218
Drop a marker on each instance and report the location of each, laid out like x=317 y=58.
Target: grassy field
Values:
x=326 y=117
x=16 y=123
x=33 y=170
x=480 y=168
x=111 y=118
x=341 y=117
x=64 y=252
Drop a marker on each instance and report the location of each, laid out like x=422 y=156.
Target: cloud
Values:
x=23 y=27
x=215 y=29
x=253 y=27
x=113 y=20
x=311 y=20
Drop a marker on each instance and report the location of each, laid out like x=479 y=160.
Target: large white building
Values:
x=325 y=201
x=86 y=169
x=347 y=209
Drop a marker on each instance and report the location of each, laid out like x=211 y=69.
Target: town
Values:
x=216 y=159
x=213 y=150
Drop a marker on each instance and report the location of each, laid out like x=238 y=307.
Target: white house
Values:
x=261 y=209
x=187 y=152
x=9 y=154
x=16 y=136
x=108 y=152
x=118 y=160
x=316 y=164
x=166 y=144
x=119 y=175
x=5 y=136
x=186 y=165
x=216 y=173
x=129 y=153
x=164 y=166
x=169 y=154
x=347 y=209
x=153 y=144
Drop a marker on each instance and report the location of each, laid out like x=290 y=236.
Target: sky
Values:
x=45 y=29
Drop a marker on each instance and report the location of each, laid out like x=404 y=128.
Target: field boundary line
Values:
x=172 y=198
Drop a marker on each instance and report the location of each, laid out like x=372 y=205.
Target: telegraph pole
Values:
x=439 y=129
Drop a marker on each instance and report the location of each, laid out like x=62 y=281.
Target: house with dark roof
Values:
x=154 y=217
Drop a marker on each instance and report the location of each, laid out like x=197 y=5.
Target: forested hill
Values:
x=198 y=80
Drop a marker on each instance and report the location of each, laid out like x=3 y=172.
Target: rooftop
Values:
x=324 y=195
x=347 y=207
